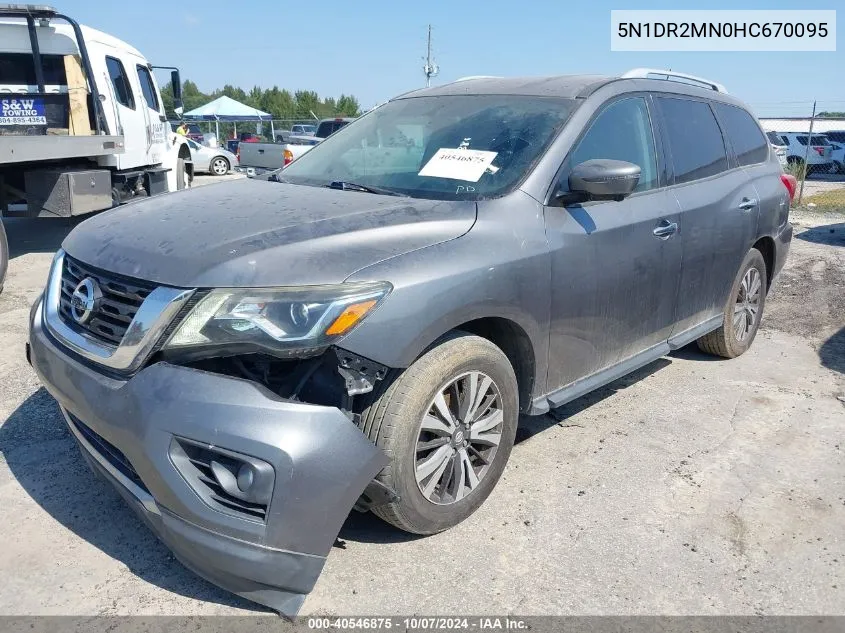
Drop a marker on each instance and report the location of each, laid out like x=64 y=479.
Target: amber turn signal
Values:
x=349 y=317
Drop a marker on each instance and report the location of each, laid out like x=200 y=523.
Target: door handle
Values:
x=665 y=229
x=747 y=204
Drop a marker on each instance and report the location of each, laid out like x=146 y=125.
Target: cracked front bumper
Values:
x=321 y=462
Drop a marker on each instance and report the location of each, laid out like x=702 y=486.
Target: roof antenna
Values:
x=431 y=69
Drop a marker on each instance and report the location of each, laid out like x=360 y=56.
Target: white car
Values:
x=778 y=146
x=213 y=160
x=818 y=157
x=837 y=140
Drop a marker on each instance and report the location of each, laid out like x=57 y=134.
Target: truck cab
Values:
x=82 y=121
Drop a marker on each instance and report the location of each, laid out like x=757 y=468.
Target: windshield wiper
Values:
x=354 y=186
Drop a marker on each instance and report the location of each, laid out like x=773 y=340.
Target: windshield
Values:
x=462 y=147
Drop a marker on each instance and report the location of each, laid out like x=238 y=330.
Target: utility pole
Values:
x=430 y=68
x=807 y=153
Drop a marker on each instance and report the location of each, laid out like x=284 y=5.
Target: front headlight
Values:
x=277 y=319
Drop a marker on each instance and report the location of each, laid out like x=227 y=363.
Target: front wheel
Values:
x=219 y=166
x=448 y=424
x=743 y=310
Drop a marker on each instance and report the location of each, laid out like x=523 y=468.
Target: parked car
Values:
x=819 y=156
x=365 y=327
x=264 y=157
x=778 y=146
x=194 y=131
x=327 y=127
x=837 y=143
x=214 y=160
x=301 y=129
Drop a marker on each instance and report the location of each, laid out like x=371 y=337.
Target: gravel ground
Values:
x=694 y=486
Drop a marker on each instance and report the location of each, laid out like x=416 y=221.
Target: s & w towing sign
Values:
x=22 y=112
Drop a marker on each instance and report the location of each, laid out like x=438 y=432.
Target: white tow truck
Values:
x=82 y=123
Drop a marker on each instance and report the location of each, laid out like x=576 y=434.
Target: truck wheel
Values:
x=743 y=310
x=4 y=255
x=448 y=424
x=219 y=166
x=181 y=175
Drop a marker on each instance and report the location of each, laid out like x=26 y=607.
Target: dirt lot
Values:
x=695 y=486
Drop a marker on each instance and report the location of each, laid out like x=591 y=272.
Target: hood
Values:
x=254 y=233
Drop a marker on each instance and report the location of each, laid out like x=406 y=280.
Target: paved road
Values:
x=695 y=486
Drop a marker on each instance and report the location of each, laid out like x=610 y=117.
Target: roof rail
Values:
x=468 y=77
x=671 y=75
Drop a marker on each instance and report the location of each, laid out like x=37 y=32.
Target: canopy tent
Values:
x=228 y=110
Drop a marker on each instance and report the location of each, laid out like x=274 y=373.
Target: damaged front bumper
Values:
x=168 y=436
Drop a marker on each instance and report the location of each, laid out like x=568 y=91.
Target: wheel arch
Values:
x=766 y=246
x=514 y=341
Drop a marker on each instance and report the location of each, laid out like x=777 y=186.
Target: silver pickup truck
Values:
x=257 y=158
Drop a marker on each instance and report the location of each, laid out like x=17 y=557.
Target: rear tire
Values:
x=743 y=310
x=474 y=452
x=4 y=255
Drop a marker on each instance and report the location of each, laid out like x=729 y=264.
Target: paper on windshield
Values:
x=458 y=164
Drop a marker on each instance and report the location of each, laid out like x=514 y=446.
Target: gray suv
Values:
x=249 y=361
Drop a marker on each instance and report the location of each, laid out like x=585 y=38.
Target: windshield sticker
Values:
x=458 y=164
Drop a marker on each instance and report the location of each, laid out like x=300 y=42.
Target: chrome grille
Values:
x=122 y=297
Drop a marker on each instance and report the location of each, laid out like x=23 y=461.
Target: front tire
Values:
x=219 y=166
x=743 y=310
x=448 y=424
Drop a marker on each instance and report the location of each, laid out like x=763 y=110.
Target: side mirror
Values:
x=604 y=178
x=176 y=85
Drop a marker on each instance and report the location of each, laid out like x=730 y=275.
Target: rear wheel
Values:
x=4 y=255
x=743 y=310
x=448 y=423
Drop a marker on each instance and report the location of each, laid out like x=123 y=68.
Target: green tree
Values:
x=347 y=105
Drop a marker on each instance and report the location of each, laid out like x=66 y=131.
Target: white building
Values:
x=802 y=124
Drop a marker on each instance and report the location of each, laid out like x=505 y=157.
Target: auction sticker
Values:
x=22 y=112
x=458 y=164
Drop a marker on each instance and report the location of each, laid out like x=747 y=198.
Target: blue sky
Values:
x=375 y=49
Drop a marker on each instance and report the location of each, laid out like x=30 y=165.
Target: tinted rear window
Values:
x=839 y=137
x=774 y=139
x=328 y=128
x=695 y=139
x=19 y=69
x=749 y=144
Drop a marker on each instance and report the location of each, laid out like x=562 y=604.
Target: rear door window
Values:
x=749 y=144
x=694 y=138
x=120 y=83
x=817 y=140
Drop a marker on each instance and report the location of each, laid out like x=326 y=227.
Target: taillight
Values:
x=288 y=157
x=791 y=183
x=819 y=150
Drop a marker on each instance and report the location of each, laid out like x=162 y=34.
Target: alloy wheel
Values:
x=458 y=438
x=219 y=167
x=747 y=304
